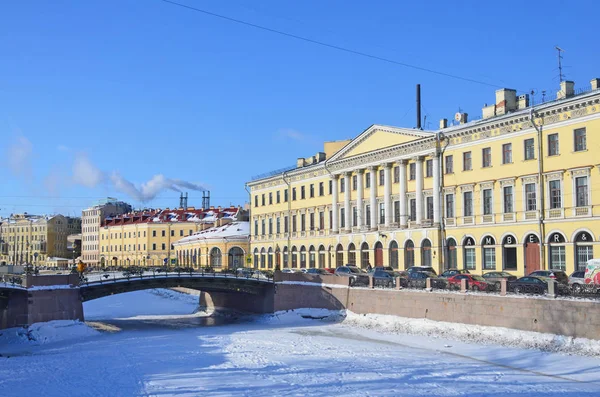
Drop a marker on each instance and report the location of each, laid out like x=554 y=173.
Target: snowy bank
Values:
x=49 y=332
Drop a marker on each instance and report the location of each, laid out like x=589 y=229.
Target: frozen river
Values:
x=152 y=345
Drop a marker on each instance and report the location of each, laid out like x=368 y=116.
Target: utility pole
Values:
x=560 y=73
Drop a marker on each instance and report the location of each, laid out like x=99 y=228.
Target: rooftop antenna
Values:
x=560 y=73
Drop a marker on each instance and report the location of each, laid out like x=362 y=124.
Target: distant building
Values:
x=91 y=219
x=147 y=237
x=27 y=238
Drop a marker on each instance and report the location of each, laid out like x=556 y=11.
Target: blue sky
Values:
x=143 y=88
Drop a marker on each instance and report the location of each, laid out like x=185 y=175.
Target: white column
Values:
x=436 y=189
x=359 y=198
x=373 y=182
x=387 y=193
x=347 y=209
x=334 y=205
x=419 y=189
x=403 y=217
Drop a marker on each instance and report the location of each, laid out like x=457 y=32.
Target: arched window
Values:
x=451 y=254
x=321 y=256
x=352 y=254
x=195 y=260
x=469 y=253
x=393 y=254
x=584 y=250
x=339 y=255
x=378 y=251
x=263 y=258
x=311 y=256
x=409 y=254
x=286 y=259
x=270 y=258
x=556 y=251
x=294 y=257
x=532 y=253
x=236 y=257
x=488 y=244
x=364 y=255
x=426 y=252
x=303 y=257
x=215 y=257
x=509 y=253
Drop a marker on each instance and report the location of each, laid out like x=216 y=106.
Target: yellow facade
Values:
x=475 y=195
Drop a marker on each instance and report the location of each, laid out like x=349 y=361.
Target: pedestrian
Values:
x=369 y=266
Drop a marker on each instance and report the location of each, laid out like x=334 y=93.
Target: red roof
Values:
x=171 y=215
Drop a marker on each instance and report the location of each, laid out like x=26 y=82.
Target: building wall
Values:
x=509 y=236
x=91 y=220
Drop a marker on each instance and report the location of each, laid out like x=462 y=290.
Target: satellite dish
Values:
x=458 y=116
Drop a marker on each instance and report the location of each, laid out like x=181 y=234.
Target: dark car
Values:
x=474 y=282
x=418 y=280
x=453 y=272
x=314 y=270
x=357 y=277
x=529 y=285
x=558 y=275
x=383 y=278
x=427 y=269
x=496 y=277
x=386 y=268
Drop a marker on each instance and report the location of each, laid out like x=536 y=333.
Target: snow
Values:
x=229 y=231
x=153 y=343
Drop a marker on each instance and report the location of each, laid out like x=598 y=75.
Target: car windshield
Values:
x=478 y=278
x=505 y=274
x=354 y=270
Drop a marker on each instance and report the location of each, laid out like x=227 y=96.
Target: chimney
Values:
x=300 y=162
x=595 y=84
x=523 y=101
x=463 y=118
x=488 y=111
x=567 y=90
x=418 y=106
x=443 y=124
x=506 y=101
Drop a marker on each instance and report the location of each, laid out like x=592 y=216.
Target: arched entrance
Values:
x=294 y=257
x=409 y=254
x=509 y=253
x=393 y=254
x=469 y=254
x=321 y=256
x=255 y=258
x=451 y=254
x=532 y=253
x=311 y=256
x=303 y=257
x=364 y=255
x=488 y=244
x=378 y=254
x=351 y=254
x=215 y=257
x=557 y=256
x=286 y=259
x=426 y=252
x=583 y=250
x=270 y=258
x=263 y=257
x=339 y=255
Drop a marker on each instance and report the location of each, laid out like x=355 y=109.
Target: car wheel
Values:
x=497 y=285
x=518 y=290
x=475 y=288
x=390 y=284
x=576 y=288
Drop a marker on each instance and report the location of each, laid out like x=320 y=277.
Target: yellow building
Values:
x=224 y=246
x=32 y=239
x=513 y=191
x=146 y=238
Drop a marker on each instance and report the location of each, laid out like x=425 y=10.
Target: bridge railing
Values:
x=12 y=280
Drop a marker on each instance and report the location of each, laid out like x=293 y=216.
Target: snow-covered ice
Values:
x=152 y=343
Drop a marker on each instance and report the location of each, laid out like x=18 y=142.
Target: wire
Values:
x=332 y=46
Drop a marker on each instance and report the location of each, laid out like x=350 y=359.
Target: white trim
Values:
x=523 y=241
x=551 y=232
x=582 y=229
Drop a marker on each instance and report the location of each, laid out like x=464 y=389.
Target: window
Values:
x=293 y=194
x=468 y=203
x=489 y=253
x=278 y=225
x=285 y=195
x=553 y=145
x=354 y=181
x=581 y=191
x=429 y=208
x=486 y=154
x=381 y=213
x=163 y=233
x=529 y=149
x=508 y=199
x=397 y=211
x=270 y=226
x=396 y=174
x=302 y=222
x=367 y=179
x=412 y=171
x=555 y=194
x=530 y=197
x=429 y=168
x=381 y=177
x=172 y=233
x=368 y=215
x=256 y=227
x=163 y=246
x=330 y=187
x=579 y=138
x=342 y=217
x=256 y=201
x=558 y=257
x=470 y=258
x=181 y=233
x=294 y=223
x=302 y=192
x=449 y=164
x=278 y=196
x=153 y=234
x=286 y=227
x=449 y=206
x=413 y=210
x=312 y=221
x=263 y=199
x=321 y=189
x=487 y=202
x=312 y=190
x=507 y=153
x=354 y=216
x=154 y=247
x=342 y=185
x=321 y=220
x=467 y=166
x=583 y=250
x=262 y=227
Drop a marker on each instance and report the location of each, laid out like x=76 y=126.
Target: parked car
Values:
x=496 y=277
x=558 y=275
x=428 y=269
x=577 y=281
x=330 y=270
x=289 y=270
x=314 y=270
x=383 y=278
x=386 y=268
x=418 y=279
x=474 y=282
x=453 y=272
x=356 y=276
x=529 y=284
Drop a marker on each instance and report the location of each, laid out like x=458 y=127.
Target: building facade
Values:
x=146 y=238
x=91 y=219
x=31 y=239
x=224 y=246
x=513 y=191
